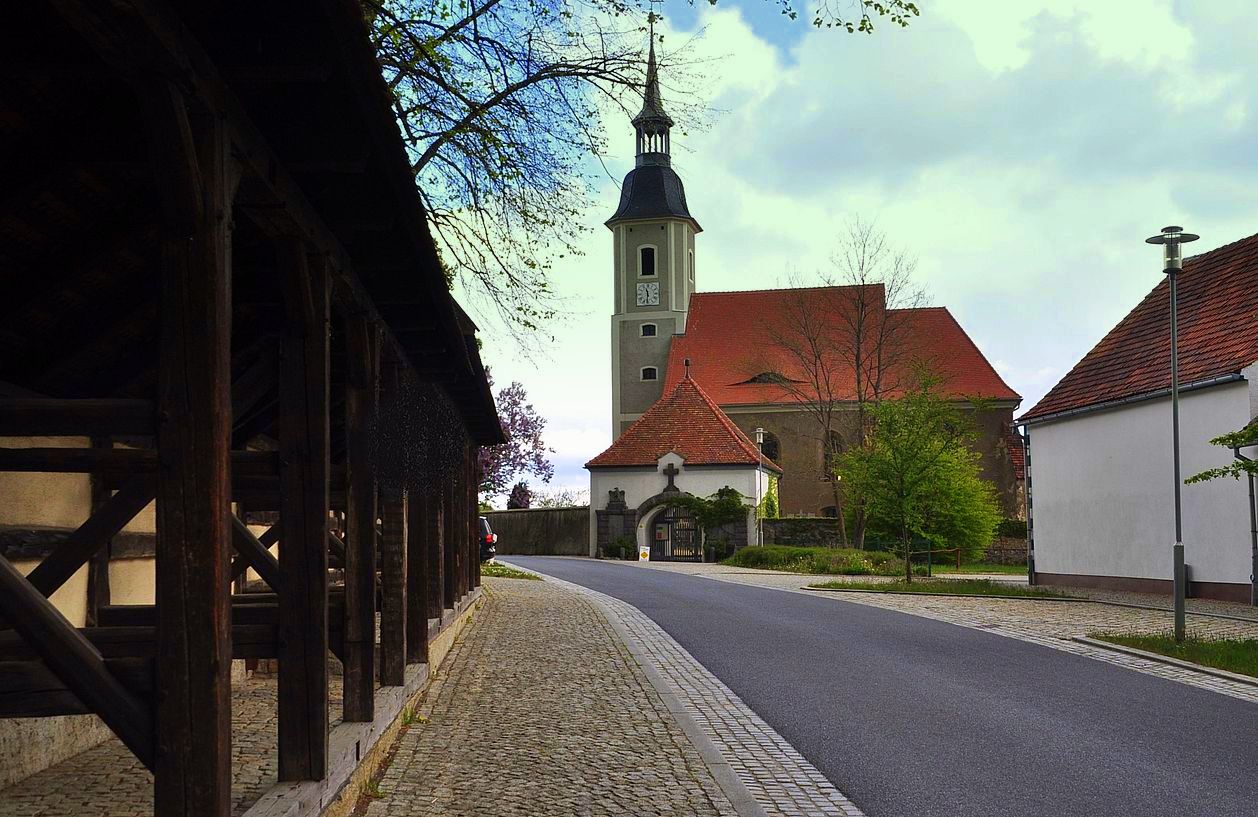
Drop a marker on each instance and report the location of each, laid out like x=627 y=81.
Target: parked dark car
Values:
x=487 y=541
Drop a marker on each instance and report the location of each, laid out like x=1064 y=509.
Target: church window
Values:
x=646 y=261
x=692 y=266
x=829 y=457
x=772 y=447
x=650 y=373
x=648 y=330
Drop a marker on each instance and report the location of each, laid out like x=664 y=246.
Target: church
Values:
x=698 y=389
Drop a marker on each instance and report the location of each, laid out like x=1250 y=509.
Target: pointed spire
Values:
x=652 y=122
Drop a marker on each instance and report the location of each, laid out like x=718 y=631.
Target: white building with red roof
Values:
x=1100 y=459
x=683 y=443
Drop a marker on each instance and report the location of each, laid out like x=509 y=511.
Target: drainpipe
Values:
x=1253 y=533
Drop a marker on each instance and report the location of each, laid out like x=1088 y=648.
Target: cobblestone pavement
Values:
x=776 y=775
x=541 y=710
x=107 y=780
x=1048 y=623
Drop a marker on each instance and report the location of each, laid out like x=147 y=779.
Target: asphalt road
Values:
x=911 y=717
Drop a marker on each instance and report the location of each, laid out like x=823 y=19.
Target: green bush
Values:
x=838 y=561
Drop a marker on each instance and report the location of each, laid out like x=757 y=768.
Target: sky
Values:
x=1022 y=150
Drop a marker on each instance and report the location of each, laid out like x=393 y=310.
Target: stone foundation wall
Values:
x=802 y=532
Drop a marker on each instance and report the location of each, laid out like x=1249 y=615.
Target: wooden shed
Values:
x=220 y=295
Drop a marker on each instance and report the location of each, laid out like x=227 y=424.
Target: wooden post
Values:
x=360 y=501
x=473 y=498
x=98 y=566
x=434 y=503
x=193 y=748
x=418 y=542
x=393 y=610
x=304 y=448
x=450 y=572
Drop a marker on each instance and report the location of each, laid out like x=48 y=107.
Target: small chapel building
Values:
x=682 y=443
x=666 y=336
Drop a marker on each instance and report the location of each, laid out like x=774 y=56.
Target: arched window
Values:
x=830 y=512
x=650 y=373
x=648 y=330
x=646 y=261
x=771 y=448
x=692 y=266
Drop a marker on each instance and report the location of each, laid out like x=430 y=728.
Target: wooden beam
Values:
x=360 y=499
x=29 y=689
x=435 y=533
x=75 y=661
x=57 y=568
x=393 y=609
x=98 y=591
x=76 y=418
x=268 y=538
x=141 y=641
x=417 y=544
x=193 y=773
x=304 y=431
x=255 y=554
x=453 y=534
x=120 y=462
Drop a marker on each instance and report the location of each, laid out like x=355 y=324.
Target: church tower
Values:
x=653 y=249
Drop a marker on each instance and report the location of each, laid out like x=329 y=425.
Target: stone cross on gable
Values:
x=671 y=472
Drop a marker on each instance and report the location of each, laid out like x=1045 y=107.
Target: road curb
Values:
x=1234 y=677
x=813 y=589
x=731 y=784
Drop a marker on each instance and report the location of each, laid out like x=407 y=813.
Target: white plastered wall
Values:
x=640 y=484
x=1103 y=490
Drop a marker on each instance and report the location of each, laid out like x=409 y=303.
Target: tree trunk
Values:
x=859 y=525
x=838 y=509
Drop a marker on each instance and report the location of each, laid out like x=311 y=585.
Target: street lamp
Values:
x=1172 y=239
x=759 y=473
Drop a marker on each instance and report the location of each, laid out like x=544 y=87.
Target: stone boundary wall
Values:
x=804 y=531
x=542 y=531
x=1006 y=550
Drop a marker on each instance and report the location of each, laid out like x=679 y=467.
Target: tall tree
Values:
x=919 y=476
x=501 y=102
x=525 y=452
x=841 y=348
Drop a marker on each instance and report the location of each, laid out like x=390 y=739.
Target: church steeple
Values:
x=652 y=122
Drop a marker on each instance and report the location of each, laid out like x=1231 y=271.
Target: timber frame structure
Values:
x=215 y=265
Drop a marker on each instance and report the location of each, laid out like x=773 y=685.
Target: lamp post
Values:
x=1172 y=239
x=759 y=473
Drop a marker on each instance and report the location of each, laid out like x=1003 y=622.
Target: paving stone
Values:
x=541 y=710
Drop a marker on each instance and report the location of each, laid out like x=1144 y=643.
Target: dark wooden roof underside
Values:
x=80 y=210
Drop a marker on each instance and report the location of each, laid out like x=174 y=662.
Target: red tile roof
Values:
x=729 y=340
x=686 y=421
x=1218 y=334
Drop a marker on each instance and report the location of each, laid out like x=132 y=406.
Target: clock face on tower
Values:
x=649 y=294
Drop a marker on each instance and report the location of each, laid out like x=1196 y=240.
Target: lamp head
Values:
x=1172 y=239
x=759 y=436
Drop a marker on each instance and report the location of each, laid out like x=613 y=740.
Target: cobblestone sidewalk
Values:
x=540 y=710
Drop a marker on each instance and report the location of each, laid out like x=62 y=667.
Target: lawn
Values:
x=1233 y=655
x=976 y=587
x=944 y=566
x=501 y=571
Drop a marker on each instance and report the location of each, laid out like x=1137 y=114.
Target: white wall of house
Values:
x=1103 y=501
x=640 y=484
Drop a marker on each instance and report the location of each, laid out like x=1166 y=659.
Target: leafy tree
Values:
x=1247 y=437
x=918 y=476
x=519 y=498
x=524 y=452
x=561 y=498
x=769 y=502
x=499 y=102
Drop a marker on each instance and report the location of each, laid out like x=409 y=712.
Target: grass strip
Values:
x=501 y=571
x=960 y=587
x=1239 y=655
